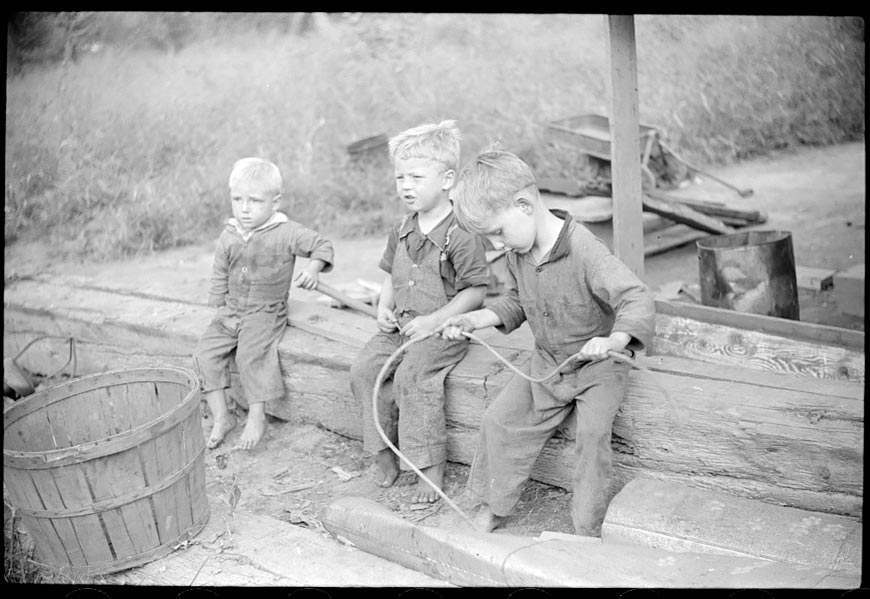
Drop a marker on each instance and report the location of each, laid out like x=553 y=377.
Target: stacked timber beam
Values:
x=766 y=408
x=686 y=219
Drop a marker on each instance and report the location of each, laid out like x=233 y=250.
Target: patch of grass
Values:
x=127 y=151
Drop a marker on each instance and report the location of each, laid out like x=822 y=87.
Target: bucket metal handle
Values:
x=71 y=360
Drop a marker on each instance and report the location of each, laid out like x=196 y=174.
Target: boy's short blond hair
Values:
x=256 y=172
x=487 y=185
x=438 y=142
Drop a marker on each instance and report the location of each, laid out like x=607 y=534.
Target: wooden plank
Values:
x=718 y=344
x=109 y=478
x=594 y=209
x=118 y=407
x=170 y=459
x=23 y=493
x=195 y=481
x=686 y=215
x=162 y=504
x=625 y=133
x=849 y=290
x=712 y=208
x=670 y=238
x=63 y=431
x=817 y=279
x=88 y=530
x=81 y=414
x=561 y=185
x=782 y=327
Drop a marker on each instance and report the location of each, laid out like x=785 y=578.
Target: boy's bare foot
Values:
x=386 y=461
x=485 y=520
x=220 y=429
x=425 y=493
x=255 y=427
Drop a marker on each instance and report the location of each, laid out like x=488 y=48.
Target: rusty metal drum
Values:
x=750 y=271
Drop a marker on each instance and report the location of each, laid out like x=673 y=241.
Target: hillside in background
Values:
x=121 y=128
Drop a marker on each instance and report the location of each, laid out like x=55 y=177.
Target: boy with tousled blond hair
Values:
x=434 y=270
x=577 y=297
x=253 y=271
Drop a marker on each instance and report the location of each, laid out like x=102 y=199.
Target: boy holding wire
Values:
x=577 y=297
x=434 y=270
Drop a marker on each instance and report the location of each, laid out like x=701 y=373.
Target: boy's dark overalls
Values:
x=412 y=415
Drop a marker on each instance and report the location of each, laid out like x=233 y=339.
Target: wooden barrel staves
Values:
x=107 y=471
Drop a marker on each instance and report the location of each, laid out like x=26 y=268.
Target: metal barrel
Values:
x=750 y=271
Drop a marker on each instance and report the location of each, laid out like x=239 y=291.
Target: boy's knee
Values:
x=360 y=374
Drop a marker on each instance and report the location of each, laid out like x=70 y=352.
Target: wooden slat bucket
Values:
x=107 y=471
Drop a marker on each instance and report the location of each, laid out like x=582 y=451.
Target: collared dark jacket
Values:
x=581 y=290
x=257 y=272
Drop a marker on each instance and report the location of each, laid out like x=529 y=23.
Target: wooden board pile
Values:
x=681 y=220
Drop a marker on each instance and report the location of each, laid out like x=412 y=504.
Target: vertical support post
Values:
x=625 y=140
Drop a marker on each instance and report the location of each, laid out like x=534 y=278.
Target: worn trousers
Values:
x=523 y=417
x=252 y=338
x=411 y=413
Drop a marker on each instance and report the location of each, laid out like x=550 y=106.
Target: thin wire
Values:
x=577 y=356
x=619 y=357
x=378 y=382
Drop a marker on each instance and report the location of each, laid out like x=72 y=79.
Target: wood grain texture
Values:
x=763 y=420
x=718 y=344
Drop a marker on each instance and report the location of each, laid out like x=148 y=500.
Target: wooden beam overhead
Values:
x=625 y=140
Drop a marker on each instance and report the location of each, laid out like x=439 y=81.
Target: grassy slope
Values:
x=127 y=152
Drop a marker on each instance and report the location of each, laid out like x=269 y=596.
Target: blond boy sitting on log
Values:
x=253 y=271
x=434 y=270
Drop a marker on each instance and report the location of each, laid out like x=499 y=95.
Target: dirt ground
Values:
x=816 y=194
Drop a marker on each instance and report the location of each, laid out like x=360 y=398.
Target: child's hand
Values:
x=420 y=327
x=453 y=327
x=597 y=347
x=387 y=321
x=306 y=279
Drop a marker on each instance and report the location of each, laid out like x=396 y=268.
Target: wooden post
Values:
x=625 y=144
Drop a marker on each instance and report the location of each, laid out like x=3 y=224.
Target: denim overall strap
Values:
x=418 y=287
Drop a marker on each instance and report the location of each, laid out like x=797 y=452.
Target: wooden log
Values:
x=786 y=435
x=682 y=213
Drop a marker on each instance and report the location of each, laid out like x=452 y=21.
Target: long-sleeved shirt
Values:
x=579 y=291
x=255 y=270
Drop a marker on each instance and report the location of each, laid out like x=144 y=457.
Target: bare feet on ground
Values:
x=425 y=493
x=255 y=427
x=386 y=461
x=485 y=520
x=222 y=426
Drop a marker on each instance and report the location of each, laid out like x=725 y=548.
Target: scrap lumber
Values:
x=779 y=345
x=713 y=208
x=849 y=290
x=687 y=215
x=791 y=438
x=562 y=185
x=817 y=279
x=669 y=238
